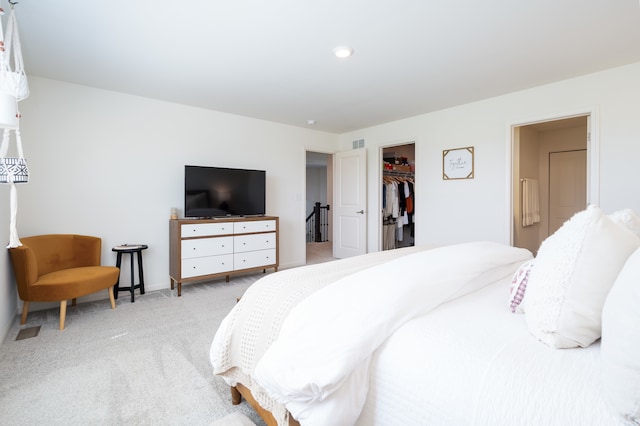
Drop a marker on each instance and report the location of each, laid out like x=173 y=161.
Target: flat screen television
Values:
x=221 y=192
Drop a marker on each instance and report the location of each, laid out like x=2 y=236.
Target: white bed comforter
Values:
x=478 y=365
x=318 y=365
x=254 y=323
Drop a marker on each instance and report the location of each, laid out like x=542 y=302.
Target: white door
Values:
x=567 y=186
x=350 y=203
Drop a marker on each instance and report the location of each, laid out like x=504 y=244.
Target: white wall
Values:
x=462 y=210
x=112 y=165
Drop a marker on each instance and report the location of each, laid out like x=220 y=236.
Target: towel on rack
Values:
x=530 y=202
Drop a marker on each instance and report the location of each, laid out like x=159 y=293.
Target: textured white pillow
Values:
x=620 y=347
x=575 y=268
x=627 y=218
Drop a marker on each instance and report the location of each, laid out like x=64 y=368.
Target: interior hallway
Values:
x=319 y=252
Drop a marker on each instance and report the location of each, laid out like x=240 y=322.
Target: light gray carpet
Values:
x=234 y=419
x=144 y=363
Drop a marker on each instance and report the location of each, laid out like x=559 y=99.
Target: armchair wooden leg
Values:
x=63 y=313
x=25 y=312
x=111 y=298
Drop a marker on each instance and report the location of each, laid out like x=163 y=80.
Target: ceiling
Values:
x=273 y=60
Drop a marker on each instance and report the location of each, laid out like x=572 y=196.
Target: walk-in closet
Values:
x=398 y=196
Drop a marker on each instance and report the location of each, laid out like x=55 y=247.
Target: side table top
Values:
x=130 y=247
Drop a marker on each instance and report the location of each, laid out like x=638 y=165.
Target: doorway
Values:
x=550 y=179
x=318 y=201
x=398 y=202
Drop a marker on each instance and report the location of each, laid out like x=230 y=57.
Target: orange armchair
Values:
x=58 y=267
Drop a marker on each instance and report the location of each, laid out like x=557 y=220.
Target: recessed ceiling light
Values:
x=343 y=52
x=311 y=122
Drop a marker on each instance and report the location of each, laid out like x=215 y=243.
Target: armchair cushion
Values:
x=73 y=282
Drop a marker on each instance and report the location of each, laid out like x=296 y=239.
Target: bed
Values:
x=475 y=333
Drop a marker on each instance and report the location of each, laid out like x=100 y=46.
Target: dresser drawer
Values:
x=253 y=242
x=253 y=259
x=205 y=229
x=254 y=226
x=207 y=265
x=202 y=247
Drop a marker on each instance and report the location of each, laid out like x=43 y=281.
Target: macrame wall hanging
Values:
x=13 y=89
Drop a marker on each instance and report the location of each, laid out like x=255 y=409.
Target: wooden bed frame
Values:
x=239 y=391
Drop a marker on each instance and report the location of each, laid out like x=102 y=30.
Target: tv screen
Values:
x=217 y=191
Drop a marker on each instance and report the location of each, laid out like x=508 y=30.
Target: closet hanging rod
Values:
x=397 y=173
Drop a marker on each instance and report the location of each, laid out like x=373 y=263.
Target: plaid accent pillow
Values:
x=519 y=287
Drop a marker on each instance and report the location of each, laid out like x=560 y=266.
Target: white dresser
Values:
x=202 y=249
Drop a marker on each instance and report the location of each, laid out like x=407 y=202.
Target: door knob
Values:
x=360 y=212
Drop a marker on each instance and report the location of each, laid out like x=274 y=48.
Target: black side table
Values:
x=131 y=249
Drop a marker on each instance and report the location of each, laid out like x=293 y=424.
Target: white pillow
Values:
x=575 y=268
x=627 y=218
x=620 y=347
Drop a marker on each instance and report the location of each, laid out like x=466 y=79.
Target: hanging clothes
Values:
x=409 y=197
x=412 y=215
x=397 y=210
x=392 y=203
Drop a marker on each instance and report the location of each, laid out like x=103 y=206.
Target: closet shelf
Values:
x=397 y=173
x=398 y=167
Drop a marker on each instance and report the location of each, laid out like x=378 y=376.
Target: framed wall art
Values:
x=457 y=163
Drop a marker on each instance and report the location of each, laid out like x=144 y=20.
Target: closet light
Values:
x=343 y=52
